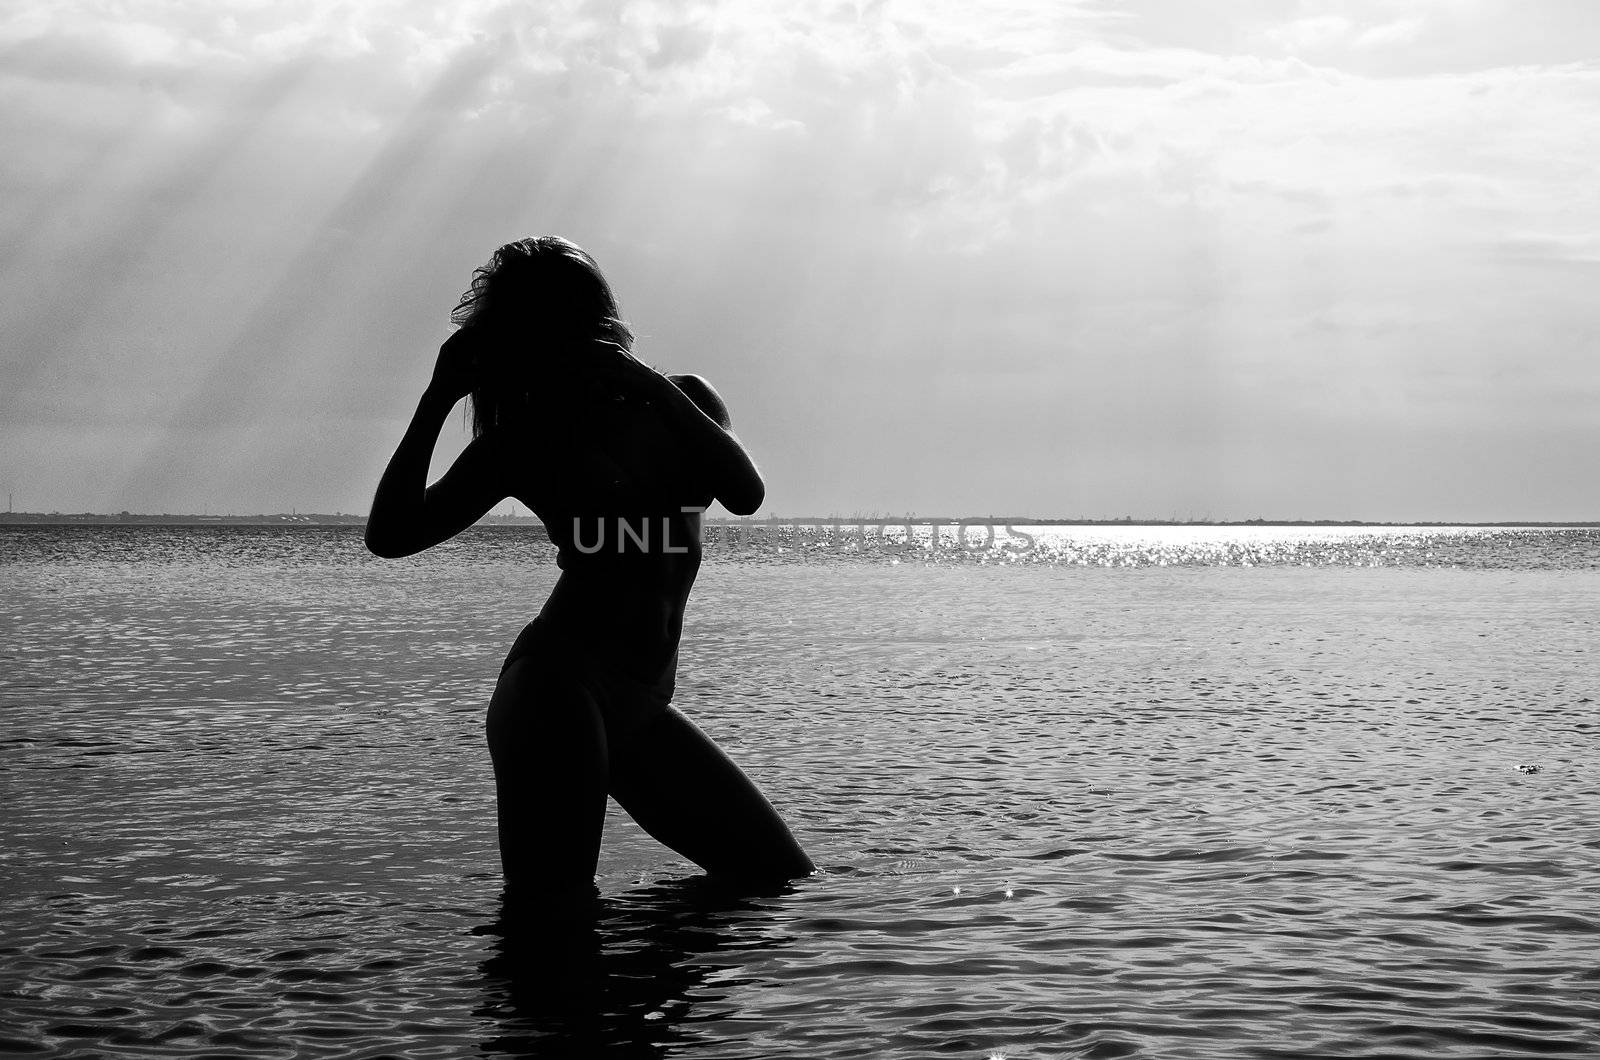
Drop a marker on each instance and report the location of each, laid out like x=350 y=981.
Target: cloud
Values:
x=854 y=218
x=1313 y=33
x=1571 y=248
x=1389 y=34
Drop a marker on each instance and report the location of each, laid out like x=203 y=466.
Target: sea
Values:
x=1166 y=792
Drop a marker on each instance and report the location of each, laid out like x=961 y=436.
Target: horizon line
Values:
x=298 y=518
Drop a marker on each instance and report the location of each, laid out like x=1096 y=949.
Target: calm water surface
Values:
x=1122 y=792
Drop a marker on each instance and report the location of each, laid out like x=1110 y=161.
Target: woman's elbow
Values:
x=384 y=545
x=378 y=546
x=745 y=499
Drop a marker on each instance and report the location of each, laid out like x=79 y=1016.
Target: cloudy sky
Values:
x=1066 y=257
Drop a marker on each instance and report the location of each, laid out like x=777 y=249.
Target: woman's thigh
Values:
x=688 y=794
x=548 y=744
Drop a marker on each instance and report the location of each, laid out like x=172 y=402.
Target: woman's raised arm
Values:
x=407 y=514
x=735 y=479
x=696 y=410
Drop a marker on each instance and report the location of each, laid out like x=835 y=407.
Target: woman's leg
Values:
x=548 y=744
x=683 y=790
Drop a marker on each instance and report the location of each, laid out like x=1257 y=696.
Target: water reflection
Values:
x=620 y=976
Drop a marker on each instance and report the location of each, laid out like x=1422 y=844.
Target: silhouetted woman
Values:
x=618 y=461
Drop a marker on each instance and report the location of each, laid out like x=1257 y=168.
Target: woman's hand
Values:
x=459 y=367
x=631 y=377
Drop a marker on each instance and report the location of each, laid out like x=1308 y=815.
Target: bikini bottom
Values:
x=626 y=699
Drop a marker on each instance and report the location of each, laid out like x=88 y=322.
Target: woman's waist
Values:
x=635 y=632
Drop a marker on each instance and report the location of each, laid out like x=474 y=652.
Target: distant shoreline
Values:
x=342 y=519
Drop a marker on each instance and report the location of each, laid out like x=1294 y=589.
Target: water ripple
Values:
x=1064 y=808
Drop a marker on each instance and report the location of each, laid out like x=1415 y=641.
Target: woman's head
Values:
x=540 y=303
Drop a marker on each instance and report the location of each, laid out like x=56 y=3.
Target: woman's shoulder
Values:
x=698 y=390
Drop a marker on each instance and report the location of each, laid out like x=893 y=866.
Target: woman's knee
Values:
x=684 y=790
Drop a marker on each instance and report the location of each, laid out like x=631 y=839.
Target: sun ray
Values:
x=232 y=399
x=77 y=281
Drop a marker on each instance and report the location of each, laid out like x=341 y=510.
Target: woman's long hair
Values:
x=540 y=301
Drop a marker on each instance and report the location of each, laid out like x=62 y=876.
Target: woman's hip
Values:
x=547 y=675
